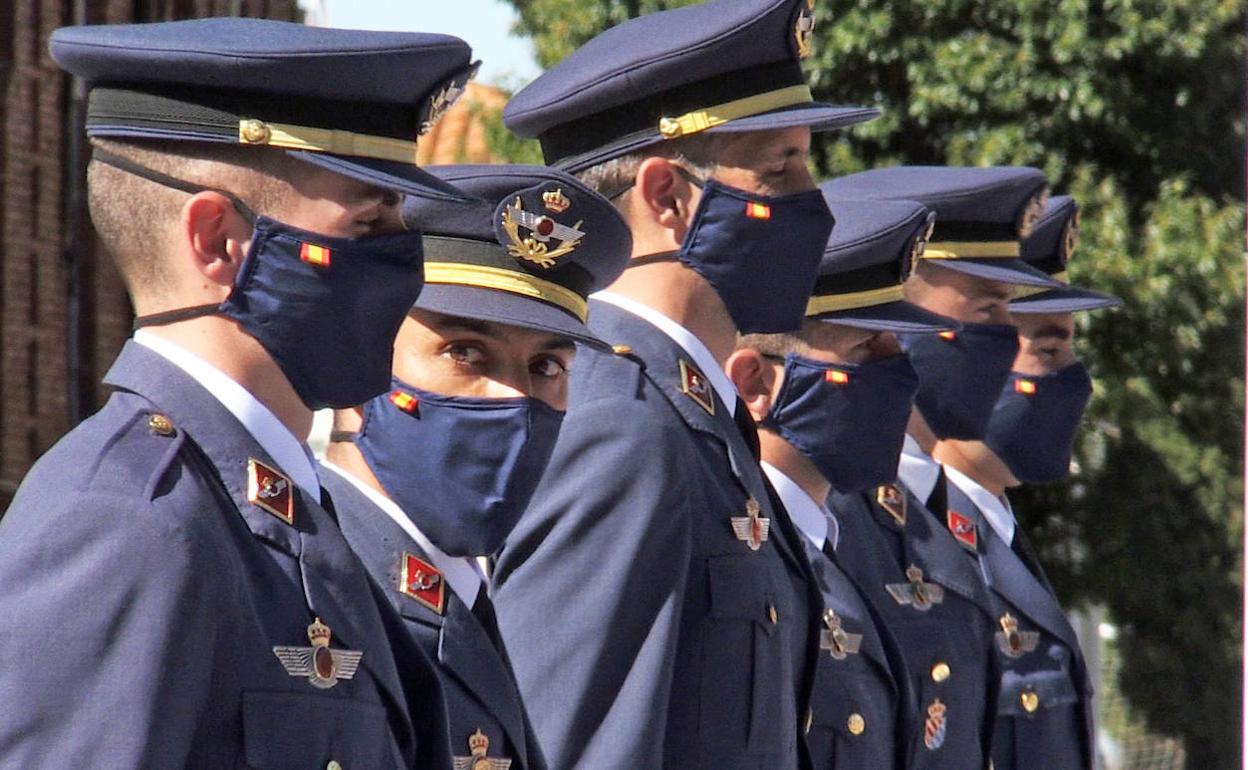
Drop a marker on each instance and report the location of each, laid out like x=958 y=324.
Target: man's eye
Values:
x=467 y=354
x=549 y=367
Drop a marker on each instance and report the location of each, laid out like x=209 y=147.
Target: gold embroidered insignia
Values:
x=535 y=246
x=804 y=29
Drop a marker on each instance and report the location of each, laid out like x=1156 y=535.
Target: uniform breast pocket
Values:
x=745 y=672
x=852 y=723
x=288 y=730
x=1039 y=722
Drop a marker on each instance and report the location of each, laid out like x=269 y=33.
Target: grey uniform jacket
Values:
x=1043 y=710
x=143 y=594
x=476 y=676
x=946 y=646
x=643 y=632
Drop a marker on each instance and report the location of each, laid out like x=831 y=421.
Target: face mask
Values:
x=326 y=309
x=1033 y=425
x=960 y=375
x=848 y=419
x=462 y=468
x=761 y=254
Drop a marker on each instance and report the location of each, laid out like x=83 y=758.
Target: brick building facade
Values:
x=63 y=312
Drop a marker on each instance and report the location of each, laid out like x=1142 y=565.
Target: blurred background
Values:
x=1135 y=107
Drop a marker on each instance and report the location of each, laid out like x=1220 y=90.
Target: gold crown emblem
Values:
x=556 y=201
x=319 y=633
x=478 y=744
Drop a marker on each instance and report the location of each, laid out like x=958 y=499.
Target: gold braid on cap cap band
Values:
x=1030 y=291
x=716 y=115
x=258 y=132
x=832 y=302
x=971 y=250
x=511 y=281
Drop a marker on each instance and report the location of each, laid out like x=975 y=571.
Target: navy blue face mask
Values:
x=960 y=375
x=761 y=254
x=463 y=469
x=848 y=419
x=326 y=309
x=1034 y=423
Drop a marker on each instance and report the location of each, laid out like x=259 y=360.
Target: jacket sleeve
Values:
x=591 y=586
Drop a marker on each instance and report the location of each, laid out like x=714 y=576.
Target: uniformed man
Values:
x=930 y=594
x=433 y=474
x=174 y=588
x=666 y=612
x=1044 y=712
x=833 y=402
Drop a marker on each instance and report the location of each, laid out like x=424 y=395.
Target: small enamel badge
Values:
x=915 y=592
x=535 y=247
x=963 y=530
x=478 y=749
x=934 y=726
x=1012 y=642
x=804 y=29
x=892 y=500
x=751 y=528
x=839 y=643
x=270 y=490
x=423 y=582
x=322 y=666
x=695 y=385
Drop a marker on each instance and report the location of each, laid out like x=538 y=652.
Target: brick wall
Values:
x=63 y=311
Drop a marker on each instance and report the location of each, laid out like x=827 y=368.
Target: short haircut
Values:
x=775 y=345
x=615 y=176
x=136 y=219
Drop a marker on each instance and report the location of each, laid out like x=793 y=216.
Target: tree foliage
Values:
x=1134 y=107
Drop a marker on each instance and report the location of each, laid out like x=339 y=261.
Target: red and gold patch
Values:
x=314 y=255
x=423 y=582
x=406 y=402
x=695 y=385
x=1026 y=387
x=836 y=377
x=963 y=530
x=757 y=210
x=270 y=490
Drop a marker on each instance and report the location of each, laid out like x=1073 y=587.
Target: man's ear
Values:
x=667 y=197
x=216 y=236
x=755 y=378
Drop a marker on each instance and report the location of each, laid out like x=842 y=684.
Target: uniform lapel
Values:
x=841 y=596
x=942 y=559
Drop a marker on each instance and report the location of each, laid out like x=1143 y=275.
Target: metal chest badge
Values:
x=751 y=529
x=963 y=530
x=423 y=582
x=915 y=592
x=839 y=643
x=270 y=490
x=890 y=498
x=693 y=383
x=934 y=726
x=1014 y=643
x=535 y=247
x=478 y=748
x=322 y=666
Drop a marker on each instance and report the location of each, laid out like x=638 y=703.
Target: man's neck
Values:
x=792 y=463
x=347 y=456
x=222 y=343
x=919 y=430
x=682 y=295
x=977 y=461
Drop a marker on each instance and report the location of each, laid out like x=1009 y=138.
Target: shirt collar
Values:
x=460 y=571
x=814 y=519
x=291 y=455
x=917 y=469
x=995 y=509
x=698 y=351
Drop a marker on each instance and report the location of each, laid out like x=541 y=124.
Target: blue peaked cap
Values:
x=869 y=254
x=722 y=65
x=351 y=101
x=1050 y=247
x=528 y=253
x=982 y=214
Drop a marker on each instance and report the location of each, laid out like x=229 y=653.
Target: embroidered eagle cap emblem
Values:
x=536 y=246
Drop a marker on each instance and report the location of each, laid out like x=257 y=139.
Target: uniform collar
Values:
x=815 y=521
x=291 y=455
x=995 y=509
x=917 y=469
x=700 y=354
x=460 y=572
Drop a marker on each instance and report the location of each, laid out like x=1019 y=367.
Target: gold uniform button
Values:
x=333 y=765
x=856 y=724
x=621 y=350
x=160 y=425
x=771 y=613
x=1030 y=701
x=940 y=672
x=254 y=132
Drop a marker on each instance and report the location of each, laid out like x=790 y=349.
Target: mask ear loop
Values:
x=152 y=175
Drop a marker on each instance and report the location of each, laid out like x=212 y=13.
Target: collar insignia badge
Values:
x=1014 y=643
x=423 y=582
x=321 y=665
x=270 y=490
x=535 y=246
x=915 y=592
x=963 y=530
x=751 y=528
x=478 y=748
x=695 y=385
x=890 y=498
x=839 y=643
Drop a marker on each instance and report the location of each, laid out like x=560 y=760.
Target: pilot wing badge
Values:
x=321 y=665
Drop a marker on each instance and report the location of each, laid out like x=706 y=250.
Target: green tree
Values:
x=1134 y=107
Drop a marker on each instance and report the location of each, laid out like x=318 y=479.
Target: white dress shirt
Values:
x=996 y=510
x=813 y=518
x=461 y=572
x=700 y=354
x=918 y=470
x=291 y=455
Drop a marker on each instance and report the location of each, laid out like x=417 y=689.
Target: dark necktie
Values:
x=938 y=501
x=749 y=431
x=327 y=503
x=483 y=610
x=1027 y=556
